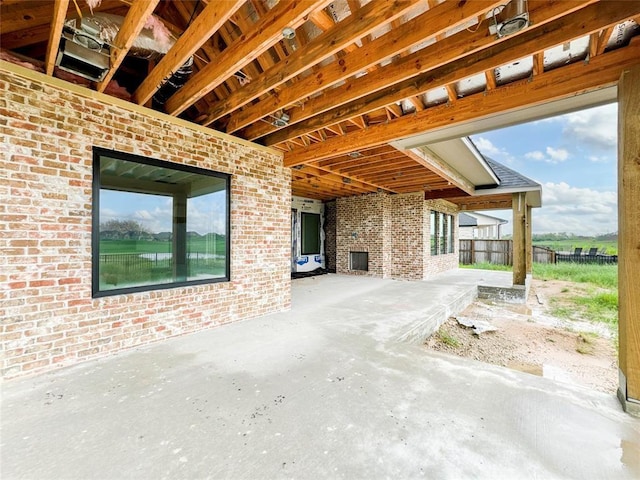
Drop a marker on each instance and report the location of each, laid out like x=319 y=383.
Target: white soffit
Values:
x=462 y=156
x=501 y=120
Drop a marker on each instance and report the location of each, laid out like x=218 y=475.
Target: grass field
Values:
x=123 y=263
x=610 y=247
x=595 y=300
x=203 y=245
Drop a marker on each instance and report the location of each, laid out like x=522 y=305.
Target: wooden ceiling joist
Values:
x=372 y=16
x=265 y=33
x=131 y=27
x=434 y=163
x=529 y=42
x=57 y=22
x=438 y=19
x=603 y=70
x=325 y=109
x=209 y=21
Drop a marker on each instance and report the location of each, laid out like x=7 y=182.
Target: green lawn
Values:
x=123 y=265
x=609 y=246
x=594 y=298
x=203 y=245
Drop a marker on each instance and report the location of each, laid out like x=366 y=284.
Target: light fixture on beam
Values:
x=288 y=33
x=515 y=17
x=282 y=120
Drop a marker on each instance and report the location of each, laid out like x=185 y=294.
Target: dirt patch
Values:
x=528 y=338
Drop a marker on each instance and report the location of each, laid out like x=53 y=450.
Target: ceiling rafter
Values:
x=603 y=70
x=57 y=22
x=530 y=41
x=329 y=175
x=450 y=49
x=439 y=19
x=209 y=21
x=266 y=32
x=323 y=46
x=131 y=27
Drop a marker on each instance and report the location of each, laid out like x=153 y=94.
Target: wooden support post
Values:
x=519 y=235
x=180 y=261
x=629 y=238
x=529 y=242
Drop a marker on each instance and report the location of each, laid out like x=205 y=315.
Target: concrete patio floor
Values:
x=338 y=387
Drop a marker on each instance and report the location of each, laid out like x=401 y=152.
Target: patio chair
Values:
x=577 y=254
x=593 y=251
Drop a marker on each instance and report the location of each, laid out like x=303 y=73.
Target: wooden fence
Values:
x=498 y=252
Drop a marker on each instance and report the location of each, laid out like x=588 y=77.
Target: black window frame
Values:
x=303 y=233
x=98 y=152
x=441 y=233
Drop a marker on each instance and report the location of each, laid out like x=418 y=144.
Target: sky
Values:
x=205 y=214
x=574 y=158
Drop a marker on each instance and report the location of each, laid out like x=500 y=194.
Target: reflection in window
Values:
x=157 y=224
x=442 y=233
x=310 y=234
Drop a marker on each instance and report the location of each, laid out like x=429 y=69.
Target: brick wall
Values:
x=407 y=240
x=440 y=263
x=330 y=235
x=360 y=228
x=395 y=230
x=48 y=317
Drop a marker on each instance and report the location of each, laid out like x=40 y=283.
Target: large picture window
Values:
x=310 y=234
x=156 y=224
x=442 y=232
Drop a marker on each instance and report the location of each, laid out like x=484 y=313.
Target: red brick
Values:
x=47 y=202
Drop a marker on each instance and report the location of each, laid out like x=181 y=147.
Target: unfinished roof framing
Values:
x=335 y=85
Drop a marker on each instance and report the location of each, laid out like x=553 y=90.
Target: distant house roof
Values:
x=511 y=182
x=509 y=178
x=484 y=219
x=465 y=220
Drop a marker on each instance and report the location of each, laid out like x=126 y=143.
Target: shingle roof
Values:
x=508 y=178
x=465 y=220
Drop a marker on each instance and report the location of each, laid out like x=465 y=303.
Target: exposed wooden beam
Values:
x=629 y=238
x=417 y=103
x=203 y=27
x=604 y=38
x=354 y=181
x=533 y=40
x=320 y=48
x=602 y=71
x=594 y=38
x=490 y=78
x=451 y=92
x=138 y=13
x=448 y=193
x=266 y=32
x=538 y=63
x=483 y=202
x=433 y=162
x=439 y=19
x=433 y=56
x=519 y=225
x=57 y=22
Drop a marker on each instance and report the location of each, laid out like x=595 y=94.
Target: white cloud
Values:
x=582 y=211
x=487 y=148
x=557 y=155
x=553 y=155
x=156 y=220
x=535 y=155
x=596 y=127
